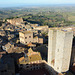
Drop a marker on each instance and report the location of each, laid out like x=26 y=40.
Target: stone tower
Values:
x=59 y=48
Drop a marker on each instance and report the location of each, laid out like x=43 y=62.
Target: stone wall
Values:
x=59 y=49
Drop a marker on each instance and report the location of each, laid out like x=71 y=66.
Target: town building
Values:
x=2 y=33
x=15 y=21
x=37 y=68
x=59 y=48
x=41 y=28
x=8 y=46
x=29 y=56
x=27 y=37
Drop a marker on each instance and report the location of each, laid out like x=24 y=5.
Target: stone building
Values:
x=2 y=33
x=33 y=56
x=37 y=68
x=38 y=40
x=27 y=37
x=8 y=46
x=15 y=21
x=59 y=48
x=30 y=56
x=42 y=28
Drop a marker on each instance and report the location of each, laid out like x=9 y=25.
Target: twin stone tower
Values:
x=59 y=48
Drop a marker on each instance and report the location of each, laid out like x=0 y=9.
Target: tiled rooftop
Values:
x=27 y=32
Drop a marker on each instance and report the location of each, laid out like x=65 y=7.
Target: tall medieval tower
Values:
x=59 y=48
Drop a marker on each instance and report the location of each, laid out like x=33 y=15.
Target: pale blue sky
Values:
x=8 y=3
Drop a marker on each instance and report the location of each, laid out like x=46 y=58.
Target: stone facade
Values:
x=8 y=46
x=42 y=28
x=27 y=37
x=59 y=49
x=38 y=65
x=15 y=21
x=30 y=56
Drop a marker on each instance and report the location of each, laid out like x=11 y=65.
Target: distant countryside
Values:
x=53 y=16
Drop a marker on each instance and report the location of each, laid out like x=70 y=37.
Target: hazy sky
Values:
x=7 y=3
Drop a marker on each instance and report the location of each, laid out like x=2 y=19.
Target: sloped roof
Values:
x=30 y=44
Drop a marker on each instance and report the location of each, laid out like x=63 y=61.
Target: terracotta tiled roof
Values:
x=30 y=44
x=22 y=58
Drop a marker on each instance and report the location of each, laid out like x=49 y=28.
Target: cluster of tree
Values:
x=48 y=18
x=51 y=16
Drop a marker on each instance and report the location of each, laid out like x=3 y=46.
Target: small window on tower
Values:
x=58 y=50
x=25 y=37
x=29 y=36
x=57 y=67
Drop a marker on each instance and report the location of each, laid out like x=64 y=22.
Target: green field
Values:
x=51 y=16
x=71 y=18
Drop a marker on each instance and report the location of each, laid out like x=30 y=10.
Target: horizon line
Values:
x=39 y=5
